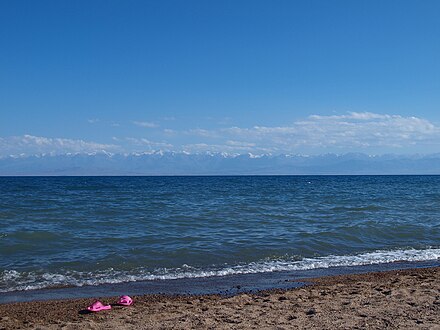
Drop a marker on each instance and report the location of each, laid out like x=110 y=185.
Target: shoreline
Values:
x=223 y=285
x=408 y=298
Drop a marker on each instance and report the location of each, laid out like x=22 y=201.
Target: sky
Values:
x=296 y=77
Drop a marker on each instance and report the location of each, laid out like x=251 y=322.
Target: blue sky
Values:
x=227 y=76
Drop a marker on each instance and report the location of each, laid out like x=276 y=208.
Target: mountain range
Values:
x=181 y=163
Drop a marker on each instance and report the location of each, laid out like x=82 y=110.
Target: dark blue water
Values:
x=92 y=230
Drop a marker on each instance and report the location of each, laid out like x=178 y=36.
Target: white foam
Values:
x=12 y=280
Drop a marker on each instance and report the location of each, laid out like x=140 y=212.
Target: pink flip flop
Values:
x=98 y=306
x=125 y=301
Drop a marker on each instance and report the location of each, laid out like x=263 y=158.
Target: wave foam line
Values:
x=12 y=280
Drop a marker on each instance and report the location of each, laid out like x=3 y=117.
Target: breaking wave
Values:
x=12 y=280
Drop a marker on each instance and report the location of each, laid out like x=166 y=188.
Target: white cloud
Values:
x=146 y=142
x=239 y=144
x=352 y=131
x=170 y=132
x=202 y=132
x=219 y=148
x=354 y=116
x=93 y=120
x=31 y=145
x=146 y=124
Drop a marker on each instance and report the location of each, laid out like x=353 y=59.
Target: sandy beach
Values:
x=403 y=299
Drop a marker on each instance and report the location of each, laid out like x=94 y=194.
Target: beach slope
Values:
x=403 y=299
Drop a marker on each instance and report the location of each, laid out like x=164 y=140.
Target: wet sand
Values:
x=402 y=299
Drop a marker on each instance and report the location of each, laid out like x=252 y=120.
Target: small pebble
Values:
x=311 y=311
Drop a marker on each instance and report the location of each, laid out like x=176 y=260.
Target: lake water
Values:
x=76 y=231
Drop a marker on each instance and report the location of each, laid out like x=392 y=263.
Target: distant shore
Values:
x=401 y=299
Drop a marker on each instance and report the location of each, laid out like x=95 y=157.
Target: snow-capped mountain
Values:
x=181 y=163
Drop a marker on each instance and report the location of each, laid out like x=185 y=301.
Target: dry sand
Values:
x=405 y=299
